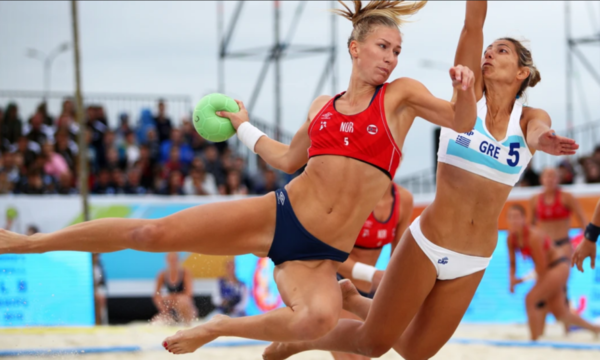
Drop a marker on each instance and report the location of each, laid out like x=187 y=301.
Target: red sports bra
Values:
x=526 y=249
x=364 y=136
x=374 y=233
x=556 y=211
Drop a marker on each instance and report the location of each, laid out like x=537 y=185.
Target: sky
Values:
x=170 y=48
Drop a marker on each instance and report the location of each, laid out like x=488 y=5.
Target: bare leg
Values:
x=410 y=277
x=313 y=310
x=346 y=356
x=184 y=305
x=438 y=317
x=545 y=289
x=224 y=228
x=560 y=309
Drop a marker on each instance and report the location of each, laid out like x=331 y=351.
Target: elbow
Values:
x=463 y=128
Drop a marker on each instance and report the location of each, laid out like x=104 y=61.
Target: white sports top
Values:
x=478 y=152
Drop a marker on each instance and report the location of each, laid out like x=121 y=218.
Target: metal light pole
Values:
x=47 y=60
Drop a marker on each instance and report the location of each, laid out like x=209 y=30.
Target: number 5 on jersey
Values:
x=346 y=142
x=513 y=152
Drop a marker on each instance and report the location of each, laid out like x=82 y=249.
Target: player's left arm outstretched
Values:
x=587 y=247
x=541 y=137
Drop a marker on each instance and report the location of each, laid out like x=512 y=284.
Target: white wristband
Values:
x=363 y=272
x=249 y=135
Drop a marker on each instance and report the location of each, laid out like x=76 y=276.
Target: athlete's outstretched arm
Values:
x=587 y=247
x=287 y=158
x=459 y=116
x=470 y=43
x=541 y=137
x=513 y=267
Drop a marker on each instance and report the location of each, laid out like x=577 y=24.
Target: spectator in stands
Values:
x=146 y=168
x=10 y=167
x=133 y=186
x=591 y=170
x=6 y=187
x=123 y=129
x=240 y=166
x=37 y=131
x=68 y=109
x=173 y=184
x=153 y=145
x=270 y=183
x=98 y=129
x=231 y=296
x=54 y=164
x=213 y=164
x=132 y=151
x=67 y=148
x=177 y=302
x=65 y=184
x=119 y=181
x=566 y=172
x=28 y=149
x=91 y=152
x=112 y=159
x=185 y=151
x=174 y=163
x=103 y=185
x=162 y=123
x=233 y=185
x=530 y=177
x=11 y=126
x=199 y=182
x=43 y=111
x=68 y=125
x=191 y=136
x=33 y=184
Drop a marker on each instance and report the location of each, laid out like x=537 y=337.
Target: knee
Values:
x=312 y=324
x=414 y=350
x=149 y=236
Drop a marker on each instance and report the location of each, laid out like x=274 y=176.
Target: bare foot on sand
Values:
x=188 y=341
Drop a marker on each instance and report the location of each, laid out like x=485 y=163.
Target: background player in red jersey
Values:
x=552 y=269
x=385 y=225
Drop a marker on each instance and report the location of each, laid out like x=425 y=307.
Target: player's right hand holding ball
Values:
x=236 y=118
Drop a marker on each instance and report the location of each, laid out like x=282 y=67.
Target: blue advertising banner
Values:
x=46 y=289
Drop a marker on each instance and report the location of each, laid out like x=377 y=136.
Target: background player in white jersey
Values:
x=439 y=263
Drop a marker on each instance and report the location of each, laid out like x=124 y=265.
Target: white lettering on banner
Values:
x=347 y=127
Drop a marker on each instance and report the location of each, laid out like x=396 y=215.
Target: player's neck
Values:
x=358 y=91
x=499 y=99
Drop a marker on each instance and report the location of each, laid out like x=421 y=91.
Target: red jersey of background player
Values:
x=375 y=234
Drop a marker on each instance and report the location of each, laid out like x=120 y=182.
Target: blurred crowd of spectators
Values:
x=583 y=170
x=40 y=156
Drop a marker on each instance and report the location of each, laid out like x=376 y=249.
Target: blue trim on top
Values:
x=478 y=158
x=514 y=139
x=480 y=128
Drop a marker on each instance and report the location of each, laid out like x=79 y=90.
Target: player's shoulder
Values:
x=531 y=113
x=403 y=84
x=320 y=101
x=317 y=105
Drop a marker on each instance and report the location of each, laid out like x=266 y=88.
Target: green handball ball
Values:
x=210 y=126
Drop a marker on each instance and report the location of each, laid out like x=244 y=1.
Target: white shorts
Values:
x=448 y=264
